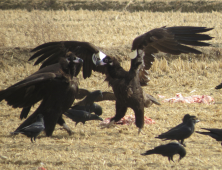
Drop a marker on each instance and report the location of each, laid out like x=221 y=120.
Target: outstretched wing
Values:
x=172 y=40
x=51 y=52
x=28 y=91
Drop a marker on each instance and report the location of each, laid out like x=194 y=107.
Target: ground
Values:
x=91 y=147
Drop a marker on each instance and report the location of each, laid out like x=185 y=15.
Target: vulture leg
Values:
x=120 y=113
x=139 y=116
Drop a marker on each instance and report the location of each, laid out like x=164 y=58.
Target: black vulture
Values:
x=55 y=86
x=181 y=131
x=127 y=84
x=168 y=150
x=81 y=116
x=214 y=133
x=32 y=130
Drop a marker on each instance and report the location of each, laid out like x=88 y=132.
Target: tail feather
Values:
x=149 y=152
x=219 y=86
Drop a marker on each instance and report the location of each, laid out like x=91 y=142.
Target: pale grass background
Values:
x=118 y=148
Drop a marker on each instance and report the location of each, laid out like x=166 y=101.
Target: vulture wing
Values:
x=51 y=52
x=172 y=40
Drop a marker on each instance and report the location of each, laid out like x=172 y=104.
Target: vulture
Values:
x=32 y=130
x=168 y=150
x=126 y=85
x=214 y=133
x=56 y=86
x=181 y=131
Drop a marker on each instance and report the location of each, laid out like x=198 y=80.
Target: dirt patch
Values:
x=132 y=6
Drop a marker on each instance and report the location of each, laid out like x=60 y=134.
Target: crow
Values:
x=181 y=131
x=168 y=150
x=214 y=133
x=81 y=116
x=32 y=130
x=97 y=109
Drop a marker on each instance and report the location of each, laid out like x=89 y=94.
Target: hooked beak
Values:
x=197 y=121
x=97 y=58
x=78 y=60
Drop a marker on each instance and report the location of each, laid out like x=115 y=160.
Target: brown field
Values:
x=117 y=148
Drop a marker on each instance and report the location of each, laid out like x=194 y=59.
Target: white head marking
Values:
x=133 y=54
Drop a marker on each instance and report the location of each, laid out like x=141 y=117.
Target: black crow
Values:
x=55 y=86
x=182 y=131
x=97 y=109
x=81 y=116
x=214 y=133
x=32 y=130
x=168 y=150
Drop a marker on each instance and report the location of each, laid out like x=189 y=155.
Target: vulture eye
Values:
x=105 y=60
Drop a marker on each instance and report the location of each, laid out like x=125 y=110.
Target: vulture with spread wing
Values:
x=56 y=85
x=127 y=84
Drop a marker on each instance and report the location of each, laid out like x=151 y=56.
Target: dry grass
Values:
x=118 y=148
x=104 y=29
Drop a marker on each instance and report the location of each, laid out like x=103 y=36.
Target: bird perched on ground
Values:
x=97 y=109
x=32 y=130
x=181 y=131
x=127 y=84
x=55 y=85
x=214 y=133
x=81 y=116
x=168 y=150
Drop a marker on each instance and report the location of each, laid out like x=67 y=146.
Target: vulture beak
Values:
x=78 y=60
x=98 y=57
x=100 y=63
x=196 y=121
